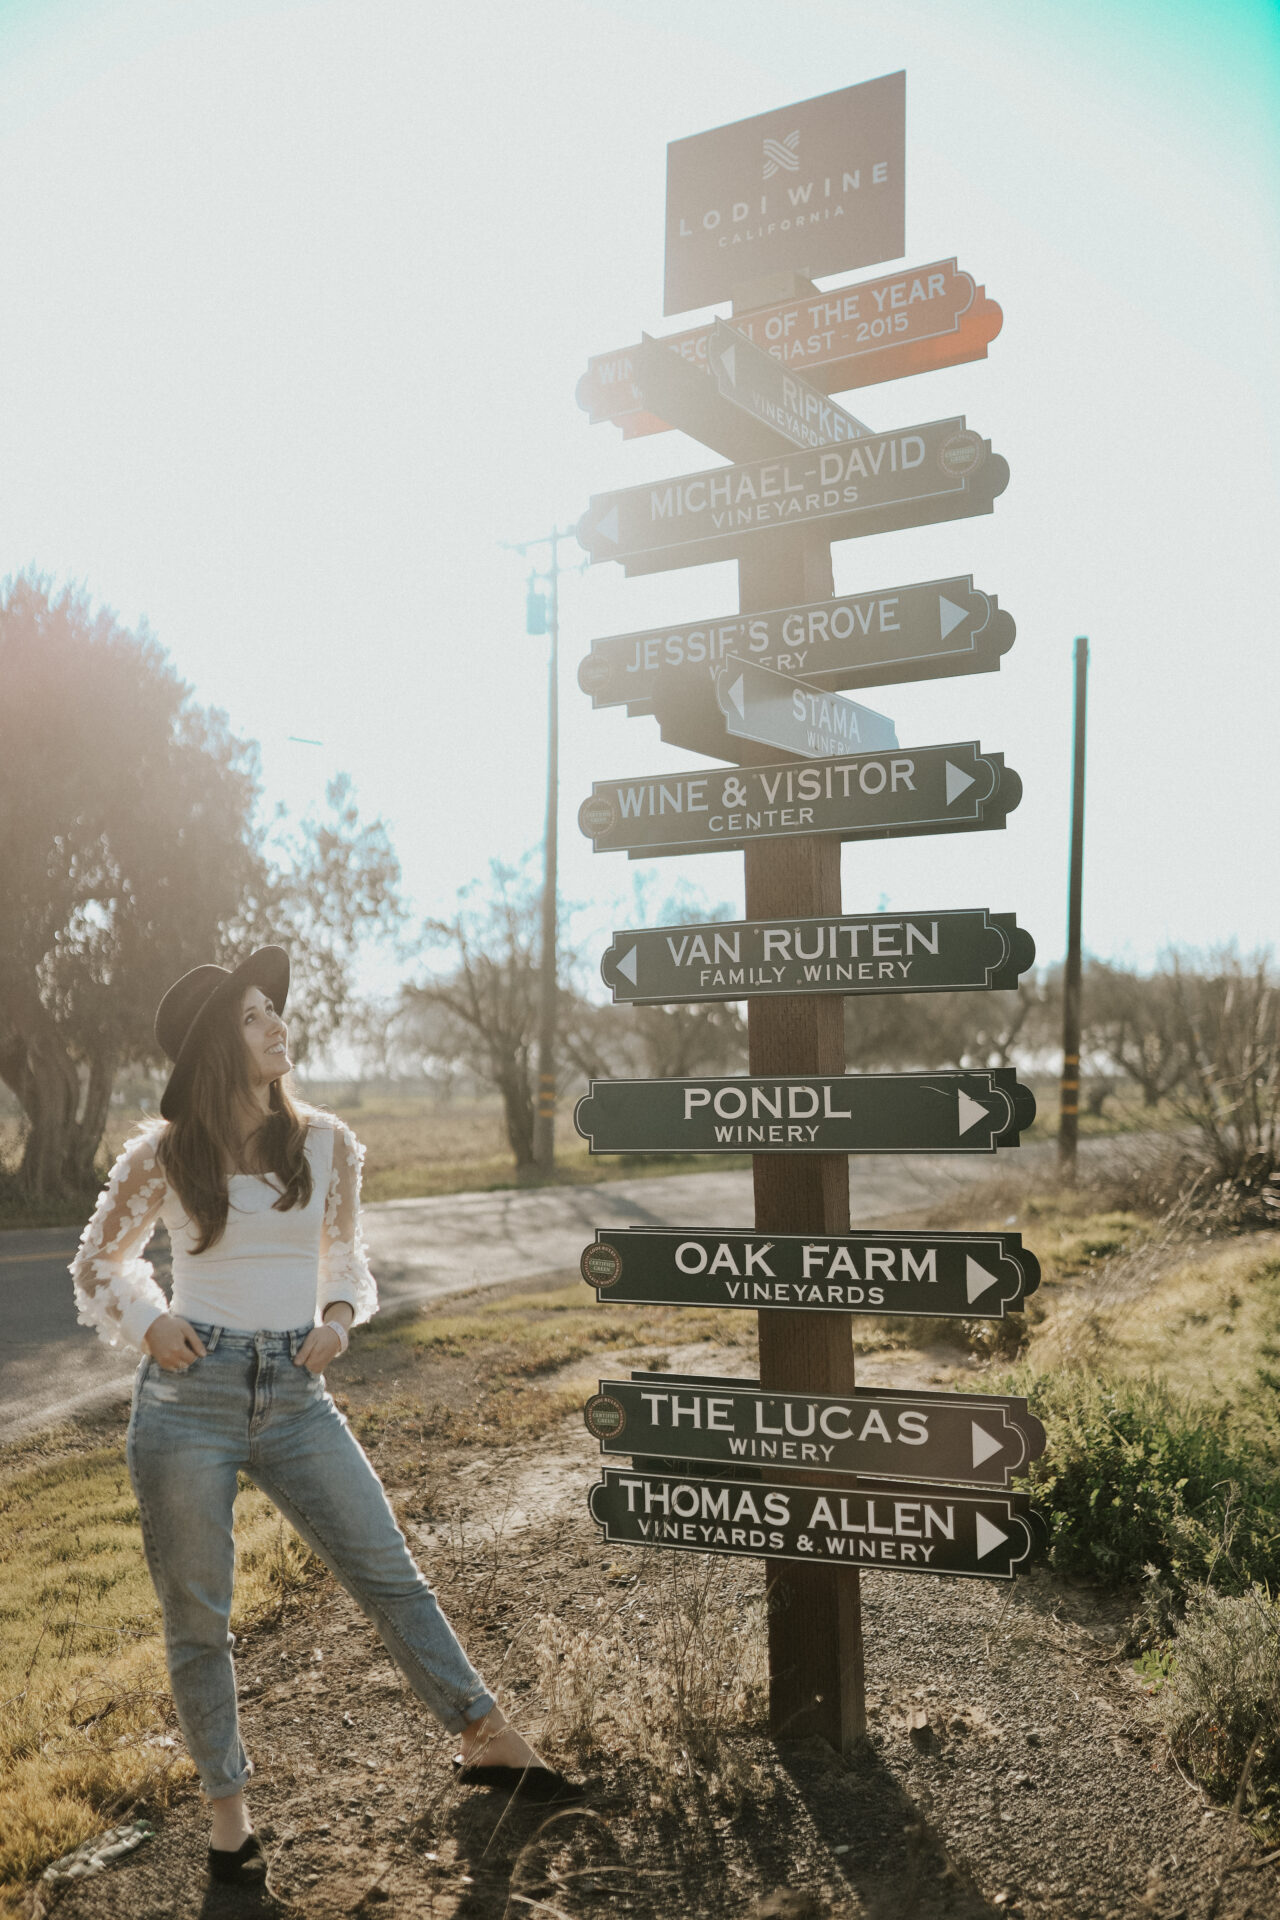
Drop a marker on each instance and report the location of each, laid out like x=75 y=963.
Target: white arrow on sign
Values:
x=738 y=698
x=957 y=781
x=976 y=1278
x=970 y=1112
x=729 y=361
x=950 y=614
x=989 y=1536
x=609 y=528
x=983 y=1445
x=626 y=966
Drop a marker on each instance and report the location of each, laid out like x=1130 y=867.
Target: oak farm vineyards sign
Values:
x=816 y=187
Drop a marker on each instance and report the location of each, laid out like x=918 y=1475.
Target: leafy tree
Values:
x=128 y=853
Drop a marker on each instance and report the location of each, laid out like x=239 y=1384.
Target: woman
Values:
x=262 y=1203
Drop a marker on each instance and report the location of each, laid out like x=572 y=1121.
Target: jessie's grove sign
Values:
x=953 y=1112
x=981 y=1276
x=892 y=1434
x=913 y=476
x=870 y=796
x=926 y=631
x=921 y=1530
x=816 y=187
x=955 y=949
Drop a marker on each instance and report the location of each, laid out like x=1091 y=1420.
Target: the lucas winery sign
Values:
x=813 y=188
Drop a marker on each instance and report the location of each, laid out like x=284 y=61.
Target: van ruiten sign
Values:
x=957 y=949
x=977 y=1439
x=911 y=477
x=974 y=1276
x=927 y=1530
x=797 y=716
x=962 y=1112
x=814 y=188
x=908 y=322
x=869 y=796
x=926 y=631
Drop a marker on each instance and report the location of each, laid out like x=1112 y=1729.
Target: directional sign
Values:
x=956 y=949
x=951 y=789
x=817 y=186
x=963 y=1112
x=926 y=631
x=978 y=1439
x=908 y=322
x=796 y=715
x=972 y=1276
x=913 y=476
x=762 y=386
x=930 y=1530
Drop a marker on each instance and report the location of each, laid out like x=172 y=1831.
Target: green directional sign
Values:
x=870 y=796
x=751 y=378
x=797 y=715
x=914 y=476
x=974 y=1276
x=927 y=631
x=977 y=1439
x=963 y=1112
x=921 y=1530
x=958 y=948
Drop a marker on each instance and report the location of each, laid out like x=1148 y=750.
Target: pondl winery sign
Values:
x=813 y=188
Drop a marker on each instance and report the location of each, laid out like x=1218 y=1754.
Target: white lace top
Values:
x=269 y=1270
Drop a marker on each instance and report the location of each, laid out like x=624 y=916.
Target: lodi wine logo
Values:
x=782 y=155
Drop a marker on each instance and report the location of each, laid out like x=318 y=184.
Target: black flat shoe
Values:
x=244 y=1866
x=544 y=1784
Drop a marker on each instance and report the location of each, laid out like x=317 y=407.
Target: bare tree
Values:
x=1133 y=1021
x=1227 y=1010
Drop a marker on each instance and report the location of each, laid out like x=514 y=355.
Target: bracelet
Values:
x=342 y=1334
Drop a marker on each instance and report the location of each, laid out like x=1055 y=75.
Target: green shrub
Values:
x=1135 y=1478
x=1222 y=1692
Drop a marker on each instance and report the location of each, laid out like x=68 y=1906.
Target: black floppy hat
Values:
x=183 y=1015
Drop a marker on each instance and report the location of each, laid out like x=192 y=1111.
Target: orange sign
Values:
x=854 y=336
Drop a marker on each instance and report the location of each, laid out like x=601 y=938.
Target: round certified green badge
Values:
x=596 y=815
x=605 y=1417
x=592 y=672
x=962 y=453
x=600 y=1266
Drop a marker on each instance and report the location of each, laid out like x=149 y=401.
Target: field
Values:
x=1055 y=1702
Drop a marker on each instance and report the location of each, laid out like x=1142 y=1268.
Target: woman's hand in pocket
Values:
x=173 y=1343
x=321 y=1347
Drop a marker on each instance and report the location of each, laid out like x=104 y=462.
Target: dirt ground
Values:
x=1013 y=1765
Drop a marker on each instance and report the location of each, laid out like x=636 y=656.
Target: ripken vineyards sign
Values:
x=958 y=948
x=981 y=1276
x=951 y=789
x=855 y=336
x=911 y=1530
x=927 y=631
x=973 y=1438
x=964 y=1112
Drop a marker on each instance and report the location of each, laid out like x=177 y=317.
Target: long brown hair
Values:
x=196 y=1148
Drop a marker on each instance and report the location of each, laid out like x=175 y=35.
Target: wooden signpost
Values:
x=981 y=1276
x=804 y=473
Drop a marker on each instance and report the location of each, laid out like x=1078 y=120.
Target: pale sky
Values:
x=297 y=297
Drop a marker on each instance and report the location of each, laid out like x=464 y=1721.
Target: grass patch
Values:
x=86 y=1722
x=1219 y=1699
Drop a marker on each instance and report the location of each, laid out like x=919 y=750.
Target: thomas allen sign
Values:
x=979 y=1276
x=963 y=947
x=976 y=1438
x=913 y=476
x=814 y=188
x=927 y=1530
x=909 y=322
x=965 y=1112
x=951 y=789
x=927 y=631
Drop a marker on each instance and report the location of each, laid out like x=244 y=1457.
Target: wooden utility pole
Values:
x=1069 y=1113
x=816 y=1682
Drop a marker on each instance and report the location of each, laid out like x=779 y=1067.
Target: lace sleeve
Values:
x=116 y=1290
x=344 y=1264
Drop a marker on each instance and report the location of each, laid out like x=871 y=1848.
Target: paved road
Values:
x=50 y=1367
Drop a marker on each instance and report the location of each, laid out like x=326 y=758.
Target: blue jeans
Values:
x=246 y=1408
